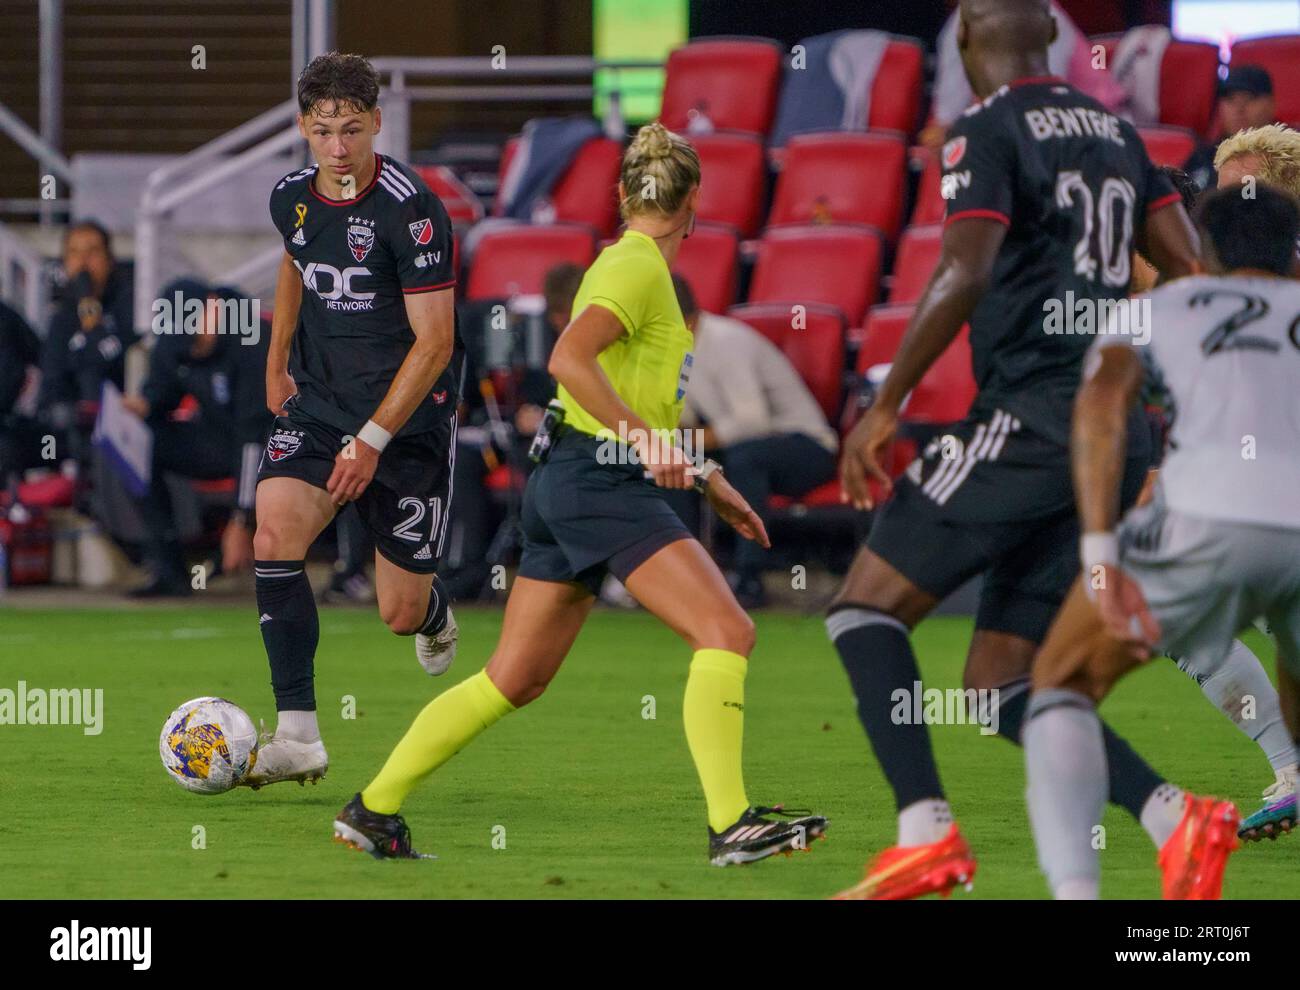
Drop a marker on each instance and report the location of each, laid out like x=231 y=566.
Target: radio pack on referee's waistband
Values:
x=545 y=436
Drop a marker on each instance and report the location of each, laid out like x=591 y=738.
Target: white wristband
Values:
x=374 y=435
x=1098 y=549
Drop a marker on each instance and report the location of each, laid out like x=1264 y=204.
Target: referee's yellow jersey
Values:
x=650 y=365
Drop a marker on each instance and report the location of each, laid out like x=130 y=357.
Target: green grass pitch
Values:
x=591 y=798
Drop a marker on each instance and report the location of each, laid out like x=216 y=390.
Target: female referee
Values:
x=622 y=365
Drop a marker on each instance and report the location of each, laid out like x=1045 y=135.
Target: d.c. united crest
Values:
x=360 y=239
x=283 y=443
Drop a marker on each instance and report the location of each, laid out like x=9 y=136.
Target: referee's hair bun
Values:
x=653 y=141
x=659 y=170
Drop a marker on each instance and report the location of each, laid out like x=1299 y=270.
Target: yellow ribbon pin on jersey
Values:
x=301 y=210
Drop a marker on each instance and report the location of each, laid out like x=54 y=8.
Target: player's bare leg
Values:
x=542 y=620
x=417 y=605
x=1066 y=769
x=290 y=515
x=681 y=585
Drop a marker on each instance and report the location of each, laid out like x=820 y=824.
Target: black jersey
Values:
x=1073 y=183
x=358 y=259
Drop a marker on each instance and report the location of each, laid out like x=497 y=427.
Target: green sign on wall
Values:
x=639 y=30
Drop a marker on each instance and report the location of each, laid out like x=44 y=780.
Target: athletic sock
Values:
x=714 y=715
x=439 y=732
x=924 y=822
x=298 y=726
x=877 y=656
x=1130 y=780
x=436 y=616
x=1065 y=776
x=1162 y=813
x=1228 y=683
x=290 y=631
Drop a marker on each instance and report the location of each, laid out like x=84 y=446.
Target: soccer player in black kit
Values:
x=1047 y=194
x=362 y=377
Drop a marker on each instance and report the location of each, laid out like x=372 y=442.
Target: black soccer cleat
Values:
x=754 y=837
x=383 y=836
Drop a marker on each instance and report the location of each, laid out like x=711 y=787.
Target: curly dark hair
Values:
x=348 y=81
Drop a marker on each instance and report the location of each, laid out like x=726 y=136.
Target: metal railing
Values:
x=23 y=282
x=272 y=133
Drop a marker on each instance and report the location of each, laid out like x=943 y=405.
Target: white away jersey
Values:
x=1228 y=348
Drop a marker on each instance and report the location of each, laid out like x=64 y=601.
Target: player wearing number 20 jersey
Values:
x=1046 y=192
x=1072 y=183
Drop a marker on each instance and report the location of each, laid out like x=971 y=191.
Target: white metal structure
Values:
x=274 y=134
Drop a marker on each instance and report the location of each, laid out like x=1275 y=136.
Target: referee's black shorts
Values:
x=993 y=496
x=583 y=518
x=406 y=504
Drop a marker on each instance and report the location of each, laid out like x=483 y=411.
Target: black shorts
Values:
x=406 y=504
x=992 y=496
x=582 y=519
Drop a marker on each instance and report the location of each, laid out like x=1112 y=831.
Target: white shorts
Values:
x=1207 y=579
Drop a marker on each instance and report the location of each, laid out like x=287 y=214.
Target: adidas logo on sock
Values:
x=264 y=619
x=423 y=553
x=298 y=238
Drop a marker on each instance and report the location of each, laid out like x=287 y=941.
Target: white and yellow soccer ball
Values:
x=208 y=745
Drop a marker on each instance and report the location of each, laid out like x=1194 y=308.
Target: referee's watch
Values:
x=705 y=473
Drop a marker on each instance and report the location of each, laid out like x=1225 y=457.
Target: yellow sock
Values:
x=438 y=733
x=714 y=713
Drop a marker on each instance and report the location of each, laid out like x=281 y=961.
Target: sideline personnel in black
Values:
x=220 y=360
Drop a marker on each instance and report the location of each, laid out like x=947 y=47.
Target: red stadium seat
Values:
x=515 y=260
x=946 y=391
x=1189 y=79
x=1280 y=56
x=805 y=265
x=709 y=260
x=463 y=207
x=896 y=91
x=918 y=253
x=1189 y=82
x=1168 y=145
x=731 y=82
x=930 y=207
x=587 y=193
x=842 y=178
x=733 y=174
x=814 y=347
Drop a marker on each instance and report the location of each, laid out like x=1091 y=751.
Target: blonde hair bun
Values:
x=659 y=170
x=653 y=141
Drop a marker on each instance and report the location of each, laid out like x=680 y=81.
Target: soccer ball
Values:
x=208 y=745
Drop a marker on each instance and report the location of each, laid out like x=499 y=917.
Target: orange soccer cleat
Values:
x=1193 y=859
x=903 y=872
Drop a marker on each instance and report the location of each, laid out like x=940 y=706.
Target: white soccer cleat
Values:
x=1285 y=784
x=287 y=759
x=436 y=652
